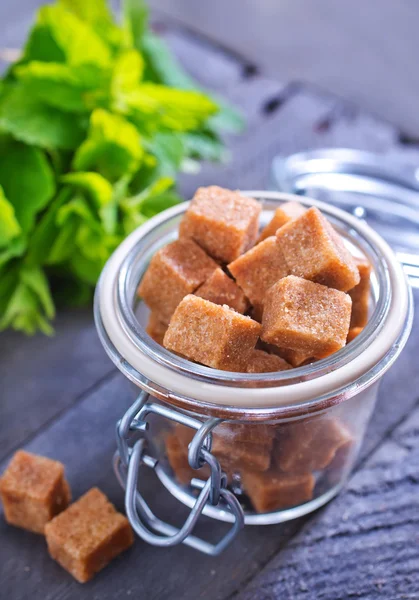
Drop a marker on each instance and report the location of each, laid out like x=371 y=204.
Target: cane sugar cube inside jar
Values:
x=285 y=213
x=263 y=362
x=306 y=316
x=353 y=333
x=243 y=455
x=315 y=251
x=176 y=270
x=156 y=328
x=177 y=454
x=310 y=445
x=258 y=269
x=33 y=490
x=360 y=294
x=272 y=490
x=88 y=535
x=224 y=223
x=213 y=335
x=221 y=289
x=247 y=433
x=296 y=358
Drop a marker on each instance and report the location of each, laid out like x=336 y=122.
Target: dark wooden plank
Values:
x=336 y=45
x=365 y=544
x=281 y=119
x=83 y=438
x=41 y=376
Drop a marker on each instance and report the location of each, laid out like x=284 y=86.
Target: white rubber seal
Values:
x=285 y=395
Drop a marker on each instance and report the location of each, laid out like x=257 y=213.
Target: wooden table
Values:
x=62 y=396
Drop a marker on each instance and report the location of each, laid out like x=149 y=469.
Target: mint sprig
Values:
x=97 y=118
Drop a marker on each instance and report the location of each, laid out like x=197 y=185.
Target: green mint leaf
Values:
x=36 y=281
x=135 y=18
x=127 y=74
x=78 y=207
x=46 y=231
x=113 y=146
x=85 y=269
x=77 y=39
x=101 y=193
x=98 y=15
x=29 y=305
x=228 y=119
x=78 y=88
x=9 y=225
x=204 y=145
x=64 y=244
x=178 y=110
x=41 y=44
x=14 y=249
x=34 y=123
x=169 y=150
x=153 y=205
x=162 y=66
x=27 y=180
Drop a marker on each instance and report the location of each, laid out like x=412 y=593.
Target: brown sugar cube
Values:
x=213 y=335
x=262 y=362
x=156 y=328
x=314 y=250
x=221 y=289
x=272 y=490
x=296 y=358
x=176 y=270
x=245 y=433
x=33 y=490
x=177 y=454
x=243 y=455
x=285 y=213
x=360 y=294
x=224 y=223
x=258 y=269
x=353 y=333
x=88 y=535
x=306 y=316
x=310 y=445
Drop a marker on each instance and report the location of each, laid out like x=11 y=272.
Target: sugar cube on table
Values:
x=88 y=535
x=33 y=490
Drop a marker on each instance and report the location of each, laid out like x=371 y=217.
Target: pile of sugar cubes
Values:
x=227 y=297
x=82 y=537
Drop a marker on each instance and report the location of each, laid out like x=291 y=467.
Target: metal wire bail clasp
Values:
x=127 y=463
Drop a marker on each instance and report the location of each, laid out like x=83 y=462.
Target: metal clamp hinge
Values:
x=127 y=463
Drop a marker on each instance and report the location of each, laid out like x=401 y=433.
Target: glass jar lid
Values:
x=372 y=187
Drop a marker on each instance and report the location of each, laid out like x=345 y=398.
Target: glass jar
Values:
x=244 y=448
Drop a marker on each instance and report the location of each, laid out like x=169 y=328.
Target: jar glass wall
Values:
x=287 y=440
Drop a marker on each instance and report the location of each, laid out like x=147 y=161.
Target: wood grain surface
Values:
x=61 y=397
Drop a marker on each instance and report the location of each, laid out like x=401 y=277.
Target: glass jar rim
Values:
x=114 y=310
